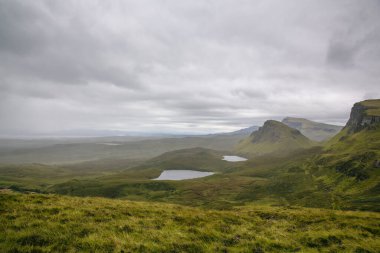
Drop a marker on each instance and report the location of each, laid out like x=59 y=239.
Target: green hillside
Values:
x=342 y=174
x=273 y=138
x=53 y=223
x=313 y=130
x=372 y=107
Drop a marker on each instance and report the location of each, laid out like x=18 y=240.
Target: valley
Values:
x=271 y=190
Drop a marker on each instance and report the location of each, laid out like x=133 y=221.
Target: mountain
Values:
x=273 y=137
x=313 y=130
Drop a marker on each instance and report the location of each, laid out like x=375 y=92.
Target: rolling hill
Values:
x=74 y=152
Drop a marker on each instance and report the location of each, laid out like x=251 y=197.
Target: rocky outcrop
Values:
x=360 y=118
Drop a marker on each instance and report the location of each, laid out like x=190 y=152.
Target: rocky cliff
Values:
x=365 y=114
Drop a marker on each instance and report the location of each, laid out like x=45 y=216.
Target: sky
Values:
x=175 y=66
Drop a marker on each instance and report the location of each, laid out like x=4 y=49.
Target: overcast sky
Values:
x=183 y=66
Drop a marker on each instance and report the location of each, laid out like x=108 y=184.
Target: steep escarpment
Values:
x=365 y=114
x=273 y=137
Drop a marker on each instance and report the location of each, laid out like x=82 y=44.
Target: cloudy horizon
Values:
x=183 y=66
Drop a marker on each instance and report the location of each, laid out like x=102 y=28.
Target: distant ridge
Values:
x=273 y=137
x=244 y=131
x=313 y=130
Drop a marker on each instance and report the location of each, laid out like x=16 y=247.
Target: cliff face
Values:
x=364 y=115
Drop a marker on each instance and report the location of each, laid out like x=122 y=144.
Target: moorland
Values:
x=306 y=186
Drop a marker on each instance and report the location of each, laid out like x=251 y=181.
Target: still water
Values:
x=233 y=158
x=182 y=174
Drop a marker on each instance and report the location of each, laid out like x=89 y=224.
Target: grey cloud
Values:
x=341 y=55
x=63 y=50
x=197 y=66
x=20 y=30
x=355 y=36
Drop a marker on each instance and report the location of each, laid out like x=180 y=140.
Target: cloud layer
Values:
x=187 y=66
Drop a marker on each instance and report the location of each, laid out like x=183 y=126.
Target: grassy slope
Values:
x=44 y=223
x=38 y=177
x=273 y=138
x=347 y=165
x=375 y=106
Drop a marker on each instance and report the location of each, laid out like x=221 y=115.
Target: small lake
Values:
x=182 y=174
x=234 y=158
x=110 y=144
